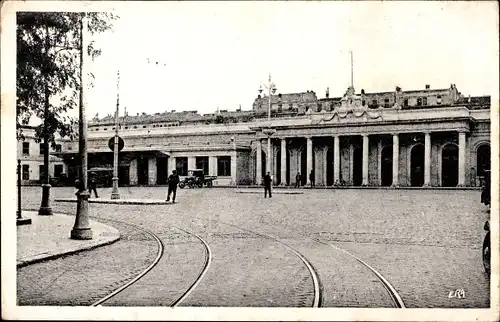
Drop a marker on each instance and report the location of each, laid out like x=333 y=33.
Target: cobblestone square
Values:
x=425 y=243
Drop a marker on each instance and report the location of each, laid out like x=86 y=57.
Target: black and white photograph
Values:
x=250 y=160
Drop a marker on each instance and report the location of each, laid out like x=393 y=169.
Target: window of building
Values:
x=405 y=102
x=424 y=100
x=126 y=127
x=363 y=103
x=224 y=166
x=386 y=102
x=41 y=172
x=319 y=107
x=290 y=106
x=105 y=129
x=202 y=163
x=113 y=129
x=181 y=165
x=135 y=126
x=58 y=148
x=375 y=103
x=439 y=100
x=26 y=172
x=42 y=149
x=144 y=126
x=419 y=102
x=58 y=170
x=26 y=148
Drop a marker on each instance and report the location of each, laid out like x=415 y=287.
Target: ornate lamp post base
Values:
x=45 y=209
x=115 y=194
x=81 y=230
x=23 y=221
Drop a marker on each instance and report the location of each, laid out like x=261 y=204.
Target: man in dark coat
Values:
x=93 y=185
x=267 y=185
x=312 y=178
x=297 y=180
x=173 y=181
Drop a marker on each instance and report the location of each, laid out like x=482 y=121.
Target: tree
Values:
x=48 y=49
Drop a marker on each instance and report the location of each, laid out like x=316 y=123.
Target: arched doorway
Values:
x=386 y=166
x=357 y=167
x=329 y=167
x=417 y=163
x=303 y=167
x=483 y=158
x=449 y=166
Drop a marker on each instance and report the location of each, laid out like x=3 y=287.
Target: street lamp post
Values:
x=115 y=194
x=271 y=90
x=45 y=209
x=81 y=229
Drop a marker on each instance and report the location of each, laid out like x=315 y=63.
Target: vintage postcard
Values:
x=291 y=161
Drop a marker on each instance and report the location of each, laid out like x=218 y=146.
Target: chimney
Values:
x=327 y=92
x=398 y=89
x=363 y=91
x=427 y=86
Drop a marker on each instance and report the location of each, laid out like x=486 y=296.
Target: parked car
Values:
x=197 y=178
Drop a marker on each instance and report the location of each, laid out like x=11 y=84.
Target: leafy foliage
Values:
x=48 y=66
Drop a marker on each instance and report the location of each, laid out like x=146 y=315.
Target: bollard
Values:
x=20 y=219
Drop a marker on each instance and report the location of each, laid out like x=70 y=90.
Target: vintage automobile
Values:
x=197 y=178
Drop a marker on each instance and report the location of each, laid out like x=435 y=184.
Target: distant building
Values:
x=427 y=137
x=31 y=153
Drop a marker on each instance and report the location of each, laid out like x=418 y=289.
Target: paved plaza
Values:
x=425 y=243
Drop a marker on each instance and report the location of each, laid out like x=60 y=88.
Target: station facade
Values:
x=428 y=137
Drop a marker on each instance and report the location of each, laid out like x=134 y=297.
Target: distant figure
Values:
x=297 y=180
x=267 y=185
x=311 y=178
x=486 y=189
x=173 y=181
x=93 y=185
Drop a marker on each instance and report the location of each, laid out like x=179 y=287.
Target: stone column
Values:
x=379 y=162
x=283 y=162
x=171 y=165
x=365 y=159
x=309 y=158
x=212 y=166
x=269 y=154
x=152 y=171
x=351 y=163
x=395 y=159
x=461 y=158
x=258 y=166
x=427 y=161
x=336 y=159
x=191 y=163
x=133 y=172
x=234 y=180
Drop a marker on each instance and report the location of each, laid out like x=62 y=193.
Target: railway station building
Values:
x=426 y=137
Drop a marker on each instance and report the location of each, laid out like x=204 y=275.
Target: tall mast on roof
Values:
x=352 y=71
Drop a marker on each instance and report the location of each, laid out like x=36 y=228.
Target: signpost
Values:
x=111 y=144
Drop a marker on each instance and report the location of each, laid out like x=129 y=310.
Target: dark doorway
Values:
x=162 y=170
x=357 y=167
x=329 y=167
x=278 y=168
x=417 y=162
x=142 y=171
x=449 y=166
x=264 y=164
x=123 y=175
x=386 y=166
x=287 y=167
x=303 y=167
x=202 y=163
x=483 y=159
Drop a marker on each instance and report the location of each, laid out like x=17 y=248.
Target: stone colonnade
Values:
x=284 y=145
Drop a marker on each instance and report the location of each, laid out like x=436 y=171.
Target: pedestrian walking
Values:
x=297 y=180
x=267 y=185
x=93 y=185
x=311 y=178
x=173 y=181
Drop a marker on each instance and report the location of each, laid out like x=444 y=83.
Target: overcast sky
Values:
x=216 y=54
